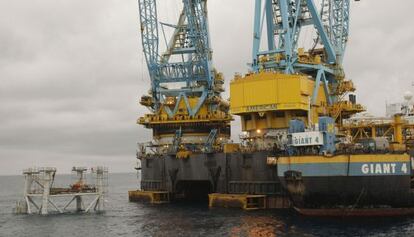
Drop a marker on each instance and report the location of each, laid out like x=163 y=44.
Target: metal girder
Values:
x=322 y=32
x=257 y=34
x=340 y=27
x=149 y=31
x=284 y=20
x=286 y=34
x=191 y=111
x=180 y=72
x=270 y=25
x=321 y=77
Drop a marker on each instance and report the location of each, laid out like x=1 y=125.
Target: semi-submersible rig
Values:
x=295 y=149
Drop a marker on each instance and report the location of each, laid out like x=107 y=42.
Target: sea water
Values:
x=123 y=218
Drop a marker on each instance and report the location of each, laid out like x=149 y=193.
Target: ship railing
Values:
x=150 y=149
x=147 y=149
x=367 y=122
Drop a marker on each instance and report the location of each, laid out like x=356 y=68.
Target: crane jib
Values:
x=189 y=43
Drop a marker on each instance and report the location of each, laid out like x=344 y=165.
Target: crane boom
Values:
x=189 y=44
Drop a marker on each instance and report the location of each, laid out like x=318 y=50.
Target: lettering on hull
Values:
x=384 y=168
x=307 y=139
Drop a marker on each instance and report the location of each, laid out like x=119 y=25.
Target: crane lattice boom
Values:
x=187 y=111
x=189 y=44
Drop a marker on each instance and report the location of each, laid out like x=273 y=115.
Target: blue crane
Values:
x=187 y=60
x=284 y=21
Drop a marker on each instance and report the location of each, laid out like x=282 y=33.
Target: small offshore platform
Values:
x=40 y=192
x=300 y=144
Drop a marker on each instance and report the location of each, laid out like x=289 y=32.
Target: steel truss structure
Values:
x=187 y=60
x=284 y=21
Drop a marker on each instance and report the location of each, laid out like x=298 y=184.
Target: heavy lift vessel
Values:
x=294 y=147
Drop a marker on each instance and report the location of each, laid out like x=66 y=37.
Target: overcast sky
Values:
x=71 y=73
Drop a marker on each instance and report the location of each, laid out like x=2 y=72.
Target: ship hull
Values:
x=309 y=181
x=391 y=191
x=347 y=180
x=238 y=173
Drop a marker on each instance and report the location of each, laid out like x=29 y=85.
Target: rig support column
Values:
x=78 y=203
x=27 y=184
x=46 y=191
x=99 y=186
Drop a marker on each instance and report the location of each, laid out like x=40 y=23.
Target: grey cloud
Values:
x=71 y=73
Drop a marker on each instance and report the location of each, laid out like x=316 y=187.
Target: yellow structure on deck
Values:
x=182 y=116
x=269 y=100
x=198 y=126
x=393 y=129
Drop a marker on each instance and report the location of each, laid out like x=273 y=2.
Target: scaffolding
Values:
x=39 y=191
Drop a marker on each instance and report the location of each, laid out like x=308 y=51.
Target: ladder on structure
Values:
x=210 y=140
x=177 y=140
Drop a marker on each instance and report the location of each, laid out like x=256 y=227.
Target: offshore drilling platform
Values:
x=297 y=147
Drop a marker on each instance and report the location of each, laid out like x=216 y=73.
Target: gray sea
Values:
x=123 y=218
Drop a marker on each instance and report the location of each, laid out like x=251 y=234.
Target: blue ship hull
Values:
x=347 y=180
